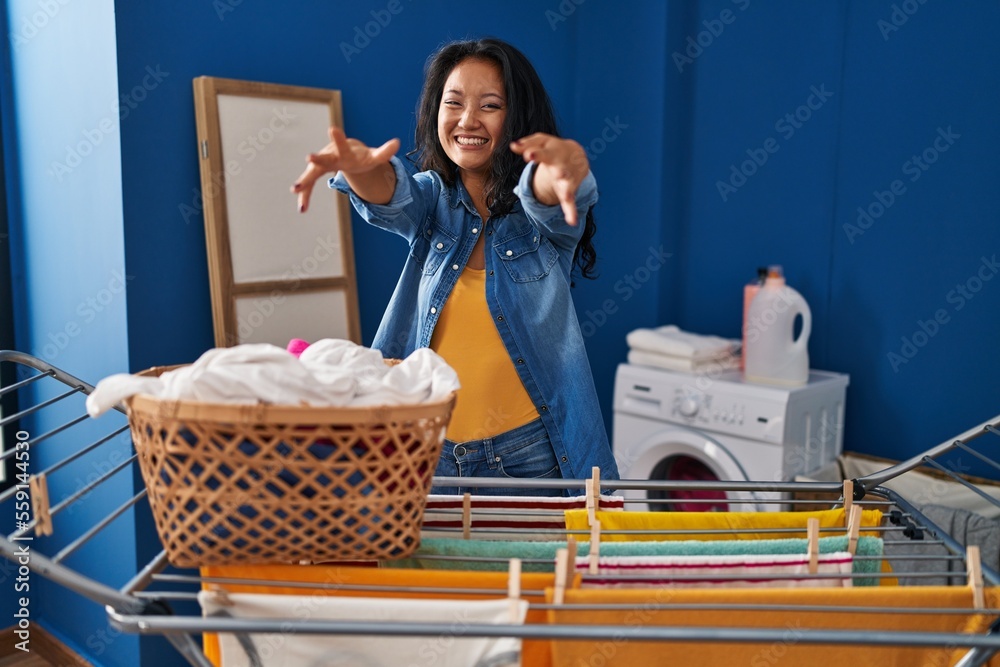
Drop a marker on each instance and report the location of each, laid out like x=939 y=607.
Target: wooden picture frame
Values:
x=275 y=273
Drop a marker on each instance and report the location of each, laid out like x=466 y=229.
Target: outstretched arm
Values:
x=367 y=170
x=562 y=166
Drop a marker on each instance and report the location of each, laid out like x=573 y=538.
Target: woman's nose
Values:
x=468 y=118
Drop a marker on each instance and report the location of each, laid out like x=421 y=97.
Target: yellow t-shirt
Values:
x=492 y=399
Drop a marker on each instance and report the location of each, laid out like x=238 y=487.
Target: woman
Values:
x=496 y=222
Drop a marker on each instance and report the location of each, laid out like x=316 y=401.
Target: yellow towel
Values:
x=640 y=613
x=749 y=525
x=533 y=652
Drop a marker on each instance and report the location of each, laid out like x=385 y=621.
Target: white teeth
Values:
x=471 y=141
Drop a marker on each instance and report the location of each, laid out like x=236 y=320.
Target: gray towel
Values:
x=967 y=528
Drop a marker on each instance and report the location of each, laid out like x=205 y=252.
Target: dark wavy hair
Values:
x=529 y=110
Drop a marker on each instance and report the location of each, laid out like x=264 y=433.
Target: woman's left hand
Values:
x=562 y=166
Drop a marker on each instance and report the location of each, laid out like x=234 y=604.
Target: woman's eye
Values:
x=452 y=103
x=491 y=106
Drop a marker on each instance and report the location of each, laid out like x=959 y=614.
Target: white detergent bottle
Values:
x=772 y=355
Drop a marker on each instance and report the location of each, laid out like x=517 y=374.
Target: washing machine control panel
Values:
x=706 y=409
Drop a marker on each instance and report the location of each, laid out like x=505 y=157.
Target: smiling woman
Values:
x=496 y=223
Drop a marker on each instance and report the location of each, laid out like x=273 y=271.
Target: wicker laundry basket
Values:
x=286 y=484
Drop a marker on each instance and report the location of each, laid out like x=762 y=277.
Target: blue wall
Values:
x=64 y=175
x=663 y=132
x=893 y=82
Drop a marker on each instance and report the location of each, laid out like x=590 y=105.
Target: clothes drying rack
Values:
x=42 y=414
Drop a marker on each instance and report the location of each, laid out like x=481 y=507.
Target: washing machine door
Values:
x=676 y=453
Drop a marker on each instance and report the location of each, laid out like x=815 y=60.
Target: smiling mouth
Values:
x=471 y=141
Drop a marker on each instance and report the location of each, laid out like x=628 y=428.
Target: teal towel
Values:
x=500 y=552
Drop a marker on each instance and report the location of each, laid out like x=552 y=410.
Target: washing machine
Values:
x=679 y=426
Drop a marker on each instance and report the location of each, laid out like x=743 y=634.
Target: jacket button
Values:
x=500 y=318
x=439 y=246
x=545 y=408
x=564 y=459
x=491 y=273
x=455 y=267
x=433 y=310
x=475 y=230
x=509 y=253
x=520 y=361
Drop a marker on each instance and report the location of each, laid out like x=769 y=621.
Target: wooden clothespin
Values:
x=591 y=510
x=848 y=501
x=812 y=527
x=571 y=551
x=853 y=529
x=595 y=487
x=595 y=548
x=974 y=567
x=514 y=589
x=39 y=488
x=466 y=516
x=221 y=596
x=562 y=561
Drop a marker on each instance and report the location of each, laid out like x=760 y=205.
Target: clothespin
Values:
x=562 y=561
x=514 y=589
x=595 y=487
x=571 y=549
x=974 y=567
x=812 y=526
x=848 y=501
x=853 y=529
x=39 y=488
x=595 y=547
x=591 y=510
x=221 y=596
x=466 y=516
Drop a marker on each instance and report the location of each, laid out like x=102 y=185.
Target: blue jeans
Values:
x=521 y=453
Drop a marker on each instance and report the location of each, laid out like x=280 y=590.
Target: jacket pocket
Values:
x=430 y=248
x=527 y=256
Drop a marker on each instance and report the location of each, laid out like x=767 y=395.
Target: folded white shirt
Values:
x=671 y=340
x=336 y=373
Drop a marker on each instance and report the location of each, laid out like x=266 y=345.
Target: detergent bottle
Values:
x=772 y=355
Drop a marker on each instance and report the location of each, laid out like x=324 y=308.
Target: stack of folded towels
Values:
x=669 y=347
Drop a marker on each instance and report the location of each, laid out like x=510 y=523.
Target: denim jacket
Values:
x=529 y=255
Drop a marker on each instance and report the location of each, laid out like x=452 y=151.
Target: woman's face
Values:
x=472 y=112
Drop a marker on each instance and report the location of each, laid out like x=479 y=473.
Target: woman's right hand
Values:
x=341 y=154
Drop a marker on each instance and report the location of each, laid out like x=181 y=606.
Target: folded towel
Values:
x=328 y=373
x=449 y=650
x=711 y=525
x=747 y=571
x=492 y=556
x=683 y=364
x=671 y=340
x=534 y=518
